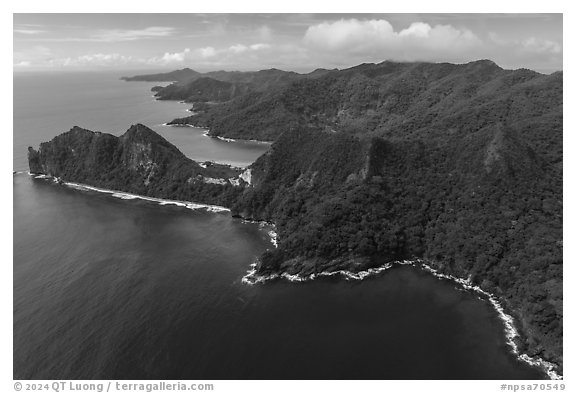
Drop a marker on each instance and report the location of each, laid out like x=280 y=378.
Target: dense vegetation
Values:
x=405 y=101
x=458 y=164
x=202 y=90
x=485 y=206
x=139 y=162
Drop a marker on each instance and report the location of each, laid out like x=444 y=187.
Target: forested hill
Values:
x=139 y=162
x=407 y=101
x=183 y=75
x=457 y=164
x=484 y=206
x=192 y=86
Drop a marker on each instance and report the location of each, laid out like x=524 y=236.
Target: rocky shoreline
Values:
x=458 y=164
x=512 y=333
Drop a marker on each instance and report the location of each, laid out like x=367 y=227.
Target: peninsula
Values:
x=460 y=165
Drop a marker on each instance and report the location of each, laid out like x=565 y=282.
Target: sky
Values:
x=298 y=42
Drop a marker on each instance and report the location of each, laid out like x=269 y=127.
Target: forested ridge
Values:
x=458 y=164
x=485 y=207
x=140 y=162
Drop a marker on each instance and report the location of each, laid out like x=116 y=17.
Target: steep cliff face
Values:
x=140 y=162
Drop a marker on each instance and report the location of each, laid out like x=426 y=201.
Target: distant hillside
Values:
x=203 y=90
x=400 y=101
x=183 y=75
x=220 y=86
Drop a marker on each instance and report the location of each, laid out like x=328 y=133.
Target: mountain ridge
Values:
x=458 y=164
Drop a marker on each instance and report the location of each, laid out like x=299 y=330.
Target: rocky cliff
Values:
x=139 y=162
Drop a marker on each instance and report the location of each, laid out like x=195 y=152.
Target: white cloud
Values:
x=208 y=55
x=186 y=56
x=23 y=63
x=207 y=52
x=28 y=31
x=419 y=41
x=174 y=57
x=533 y=44
x=95 y=60
x=115 y=35
x=130 y=35
x=238 y=48
x=259 y=46
x=348 y=34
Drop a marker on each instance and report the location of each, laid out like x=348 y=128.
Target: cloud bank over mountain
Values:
x=284 y=41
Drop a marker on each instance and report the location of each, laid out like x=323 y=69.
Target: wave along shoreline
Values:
x=127 y=195
x=510 y=330
x=268 y=227
x=252 y=277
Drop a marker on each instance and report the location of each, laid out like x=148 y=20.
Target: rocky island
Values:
x=460 y=165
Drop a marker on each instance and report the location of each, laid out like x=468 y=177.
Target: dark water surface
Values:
x=111 y=288
x=126 y=289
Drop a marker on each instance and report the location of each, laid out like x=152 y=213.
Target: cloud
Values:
x=351 y=41
x=32 y=56
x=96 y=60
x=536 y=45
x=187 y=55
x=206 y=52
x=531 y=52
x=42 y=57
x=530 y=45
x=419 y=41
x=131 y=35
x=23 y=63
x=208 y=55
x=28 y=31
x=259 y=46
x=238 y=48
x=115 y=35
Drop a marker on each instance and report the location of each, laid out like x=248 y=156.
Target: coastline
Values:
x=268 y=227
x=510 y=330
x=223 y=139
x=252 y=277
x=127 y=195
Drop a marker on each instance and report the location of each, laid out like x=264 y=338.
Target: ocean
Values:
x=110 y=288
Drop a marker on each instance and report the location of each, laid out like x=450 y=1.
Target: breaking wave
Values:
x=129 y=196
x=511 y=332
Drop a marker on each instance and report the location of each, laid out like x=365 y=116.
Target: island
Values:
x=456 y=165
